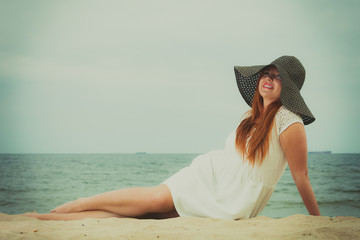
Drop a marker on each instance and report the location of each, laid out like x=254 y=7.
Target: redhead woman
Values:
x=238 y=181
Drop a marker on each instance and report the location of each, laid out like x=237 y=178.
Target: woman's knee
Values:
x=160 y=199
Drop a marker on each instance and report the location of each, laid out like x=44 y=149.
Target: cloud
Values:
x=143 y=72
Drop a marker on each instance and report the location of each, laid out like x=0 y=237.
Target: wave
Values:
x=354 y=202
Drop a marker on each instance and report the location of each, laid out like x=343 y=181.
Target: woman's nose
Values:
x=270 y=78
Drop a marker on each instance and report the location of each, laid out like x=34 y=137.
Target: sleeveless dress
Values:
x=219 y=184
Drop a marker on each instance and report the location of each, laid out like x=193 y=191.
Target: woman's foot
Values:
x=70 y=207
x=72 y=216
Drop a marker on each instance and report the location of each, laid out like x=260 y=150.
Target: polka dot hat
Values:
x=292 y=75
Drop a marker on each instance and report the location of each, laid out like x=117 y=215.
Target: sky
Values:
x=157 y=76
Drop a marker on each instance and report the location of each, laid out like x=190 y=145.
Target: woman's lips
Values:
x=268 y=86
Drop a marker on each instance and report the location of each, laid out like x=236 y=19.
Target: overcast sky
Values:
x=157 y=76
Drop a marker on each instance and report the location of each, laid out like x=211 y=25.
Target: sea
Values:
x=40 y=182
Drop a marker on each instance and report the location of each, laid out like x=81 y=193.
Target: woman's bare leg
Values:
x=72 y=216
x=128 y=202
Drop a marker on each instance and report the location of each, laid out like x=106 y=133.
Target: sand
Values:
x=293 y=227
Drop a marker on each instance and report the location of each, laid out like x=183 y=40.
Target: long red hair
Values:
x=253 y=133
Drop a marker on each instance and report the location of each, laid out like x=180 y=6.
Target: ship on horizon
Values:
x=322 y=152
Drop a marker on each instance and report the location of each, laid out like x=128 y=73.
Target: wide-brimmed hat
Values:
x=292 y=74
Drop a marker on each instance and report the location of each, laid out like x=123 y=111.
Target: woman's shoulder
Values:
x=284 y=118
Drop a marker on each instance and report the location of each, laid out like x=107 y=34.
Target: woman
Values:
x=236 y=182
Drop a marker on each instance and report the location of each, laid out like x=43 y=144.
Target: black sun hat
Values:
x=292 y=75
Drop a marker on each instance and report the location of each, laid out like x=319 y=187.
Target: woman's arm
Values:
x=293 y=143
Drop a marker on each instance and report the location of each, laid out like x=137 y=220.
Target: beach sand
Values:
x=292 y=227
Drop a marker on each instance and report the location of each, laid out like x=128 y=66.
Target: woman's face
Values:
x=270 y=85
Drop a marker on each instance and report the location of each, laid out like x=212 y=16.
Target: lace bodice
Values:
x=284 y=118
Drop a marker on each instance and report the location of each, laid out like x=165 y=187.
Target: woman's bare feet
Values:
x=70 y=207
x=72 y=216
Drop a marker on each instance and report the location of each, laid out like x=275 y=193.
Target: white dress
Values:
x=219 y=184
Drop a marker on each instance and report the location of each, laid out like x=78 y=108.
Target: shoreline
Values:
x=292 y=227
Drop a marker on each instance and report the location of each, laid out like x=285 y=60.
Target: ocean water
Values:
x=40 y=182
